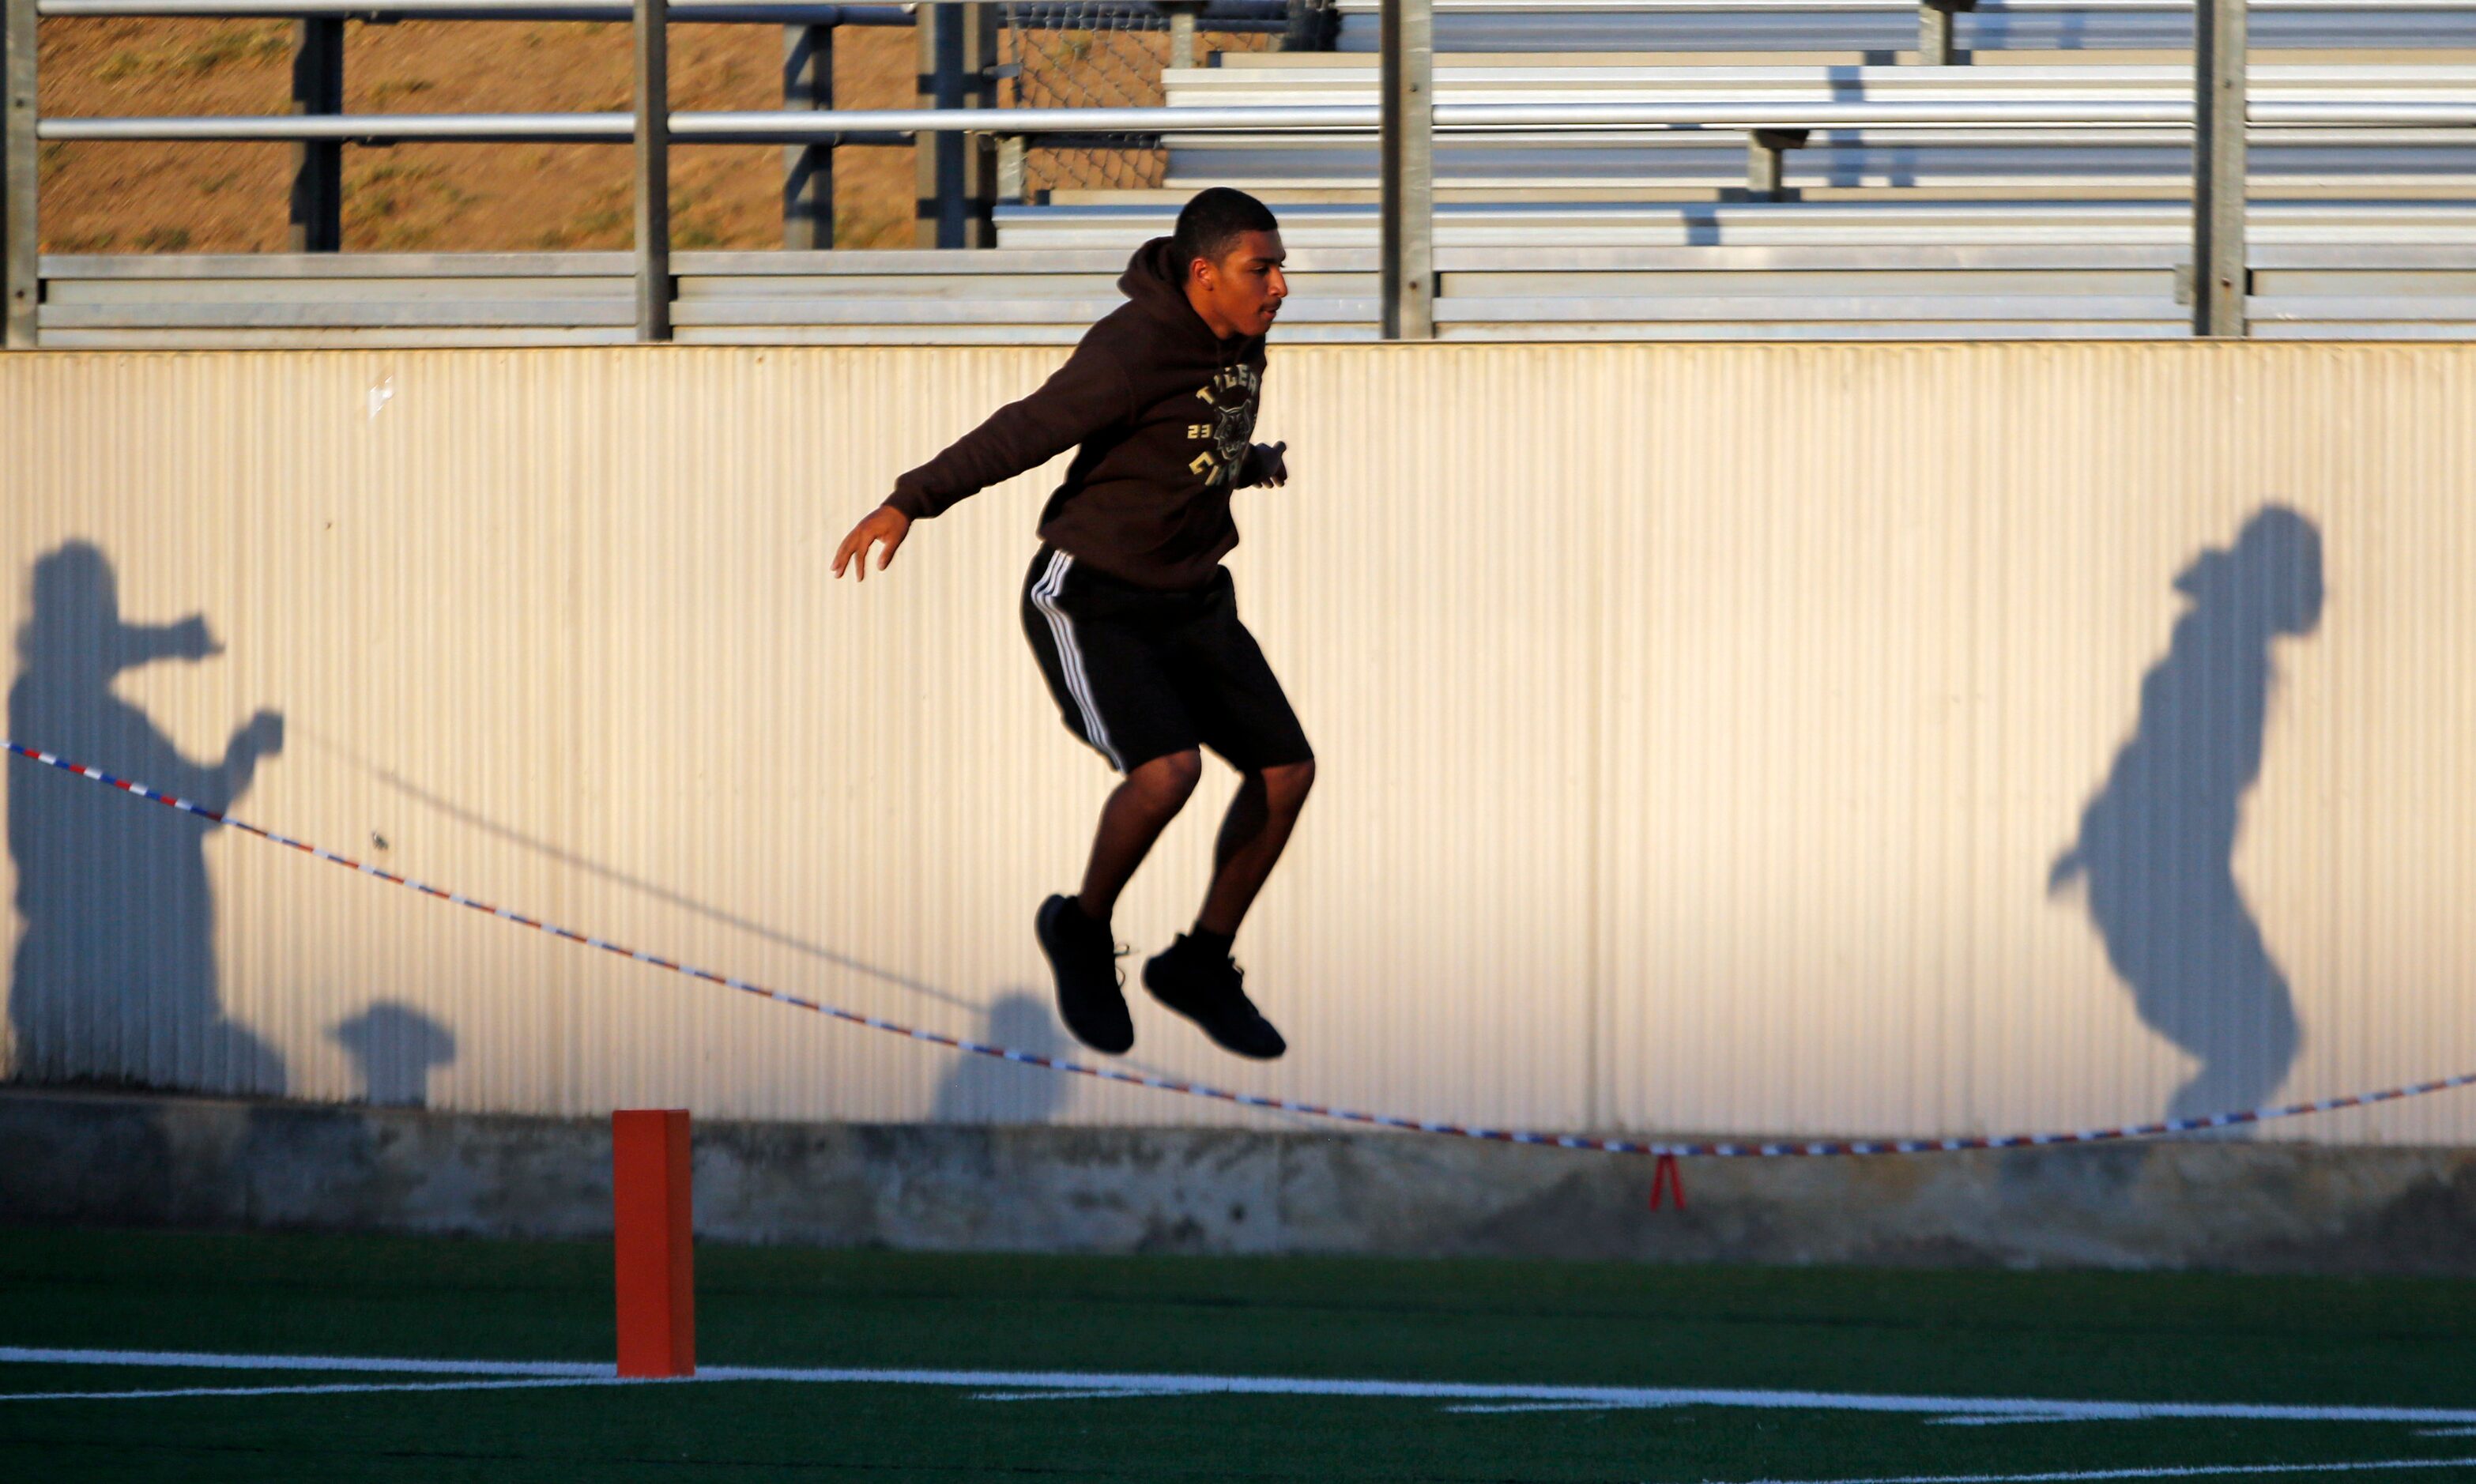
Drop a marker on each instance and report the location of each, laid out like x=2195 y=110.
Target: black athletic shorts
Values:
x=1140 y=673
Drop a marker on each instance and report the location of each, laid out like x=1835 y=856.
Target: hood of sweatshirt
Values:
x=1155 y=280
x=1161 y=413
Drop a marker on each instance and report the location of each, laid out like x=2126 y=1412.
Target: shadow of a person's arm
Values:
x=254 y=740
x=217 y=785
x=142 y=644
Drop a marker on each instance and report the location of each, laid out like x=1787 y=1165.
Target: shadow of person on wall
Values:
x=2157 y=845
x=985 y=1090
x=115 y=974
x=394 y=1046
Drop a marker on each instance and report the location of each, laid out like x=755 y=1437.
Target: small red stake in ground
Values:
x=1665 y=1177
x=649 y=1188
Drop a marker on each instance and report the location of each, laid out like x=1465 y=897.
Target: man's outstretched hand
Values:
x=1269 y=466
x=884 y=524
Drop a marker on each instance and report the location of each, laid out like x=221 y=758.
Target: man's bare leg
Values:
x=1194 y=976
x=1251 y=838
x=1139 y=810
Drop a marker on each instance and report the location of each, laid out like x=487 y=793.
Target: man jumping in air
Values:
x=1130 y=610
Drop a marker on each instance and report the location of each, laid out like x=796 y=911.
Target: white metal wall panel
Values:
x=1700 y=730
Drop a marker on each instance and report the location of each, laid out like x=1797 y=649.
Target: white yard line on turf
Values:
x=1530 y=1406
x=1056 y=1396
x=2007 y=1421
x=2198 y=1472
x=1114 y=1384
x=198 y=1360
x=311 y=1391
x=2038 y=1409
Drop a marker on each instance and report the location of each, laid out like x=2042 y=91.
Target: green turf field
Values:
x=2283 y=1343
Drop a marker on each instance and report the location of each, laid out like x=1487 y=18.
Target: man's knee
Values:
x=1167 y=781
x=1286 y=786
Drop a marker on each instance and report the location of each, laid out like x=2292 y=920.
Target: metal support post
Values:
x=21 y=175
x=1013 y=182
x=652 y=170
x=940 y=87
x=2219 y=184
x=318 y=164
x=1182 y=31
x=1408 y=185
x=1766 y=161
x=980 y=23
x=956 y=172
x=807 y=170
x=1938 y=33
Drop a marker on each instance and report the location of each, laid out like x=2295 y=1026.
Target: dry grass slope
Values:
x=159 y=197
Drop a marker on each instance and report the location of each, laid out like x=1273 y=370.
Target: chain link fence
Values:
x=1065 y=54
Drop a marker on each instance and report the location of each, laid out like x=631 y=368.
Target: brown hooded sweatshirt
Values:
x=1163 y=409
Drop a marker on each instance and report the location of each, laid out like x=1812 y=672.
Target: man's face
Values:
x=1244 y=290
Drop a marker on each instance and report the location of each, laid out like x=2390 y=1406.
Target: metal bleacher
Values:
x=1834 y=270
x=1883 y=28
x=2041 y=190
x=1945 y=159
x=1013 y=296
x=1963 y=226
x=1884 y=270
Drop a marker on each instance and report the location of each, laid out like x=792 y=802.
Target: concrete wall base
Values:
x=153 y=1160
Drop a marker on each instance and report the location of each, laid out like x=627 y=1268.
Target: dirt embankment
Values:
x=226 y=197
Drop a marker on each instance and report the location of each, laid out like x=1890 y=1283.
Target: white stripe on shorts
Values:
x=1069 y=659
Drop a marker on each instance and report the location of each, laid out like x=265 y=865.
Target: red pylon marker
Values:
x=654 y=1259
x=1664 y=1177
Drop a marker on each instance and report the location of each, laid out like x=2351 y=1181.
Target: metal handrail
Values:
x=1984 y=7
x=786 y=13
x=891 y=125
x=1222 y=16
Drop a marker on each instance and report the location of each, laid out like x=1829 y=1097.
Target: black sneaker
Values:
x=1208 y=991
x=1084 y=957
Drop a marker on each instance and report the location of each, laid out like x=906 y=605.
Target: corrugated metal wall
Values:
x=1707 y=735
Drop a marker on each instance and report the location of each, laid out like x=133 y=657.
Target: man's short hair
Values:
x=1214 y=221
